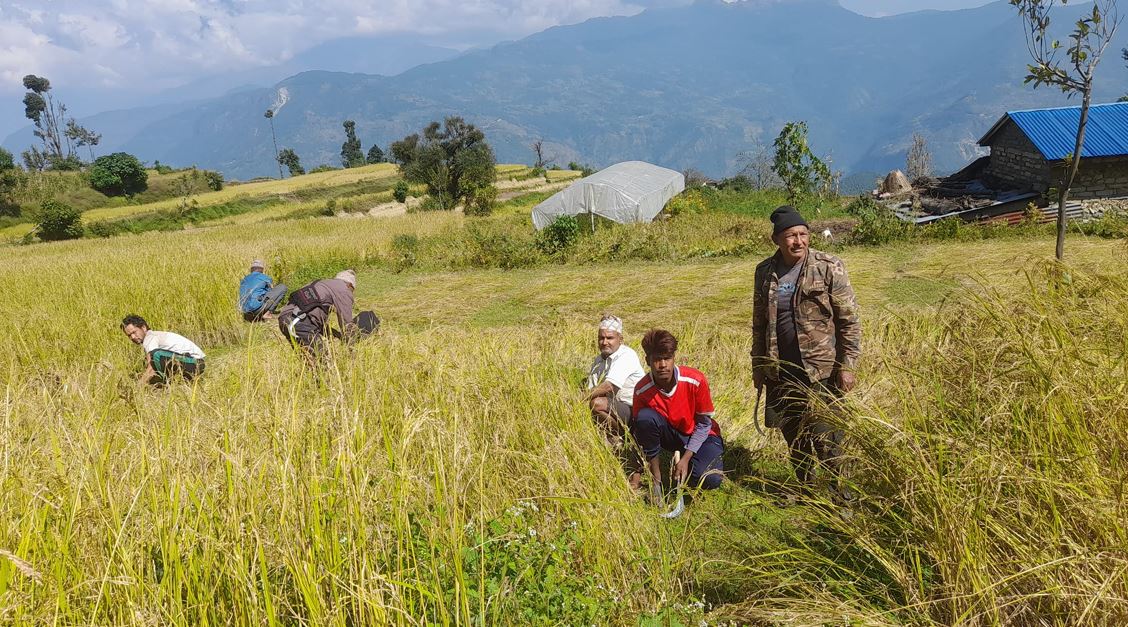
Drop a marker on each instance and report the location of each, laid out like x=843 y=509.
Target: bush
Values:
x=119 y=174
x=214 y=180
x=405 y=252
x=877 y=224
x=162 y=168
x=437 y=202
x=324 y=167
x=559 y=236
x=70 y=163
x=58 y=221
x=400 y=192
x=690 y=202
x=482 y=202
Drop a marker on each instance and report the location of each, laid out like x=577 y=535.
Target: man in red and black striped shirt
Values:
x=673 y=410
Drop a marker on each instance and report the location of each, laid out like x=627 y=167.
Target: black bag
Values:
x=368 y=322
x=305 y=298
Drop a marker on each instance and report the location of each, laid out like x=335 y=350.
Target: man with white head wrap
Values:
x=611 y=382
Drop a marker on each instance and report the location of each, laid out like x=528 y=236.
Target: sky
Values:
x=92 y=49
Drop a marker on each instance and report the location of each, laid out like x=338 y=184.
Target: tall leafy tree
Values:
x=269 y=115
x=1070 y=67
x=452 y=159
x=351 y=154
x=47 y=115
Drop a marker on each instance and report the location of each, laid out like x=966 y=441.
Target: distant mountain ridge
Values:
x=681 y=87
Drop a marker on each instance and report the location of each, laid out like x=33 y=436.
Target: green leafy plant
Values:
x=118 y=174
x=58 y=221
x=561 y=234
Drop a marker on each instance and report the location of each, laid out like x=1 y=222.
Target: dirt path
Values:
x=508 y=192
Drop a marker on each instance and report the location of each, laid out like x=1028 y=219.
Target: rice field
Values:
x=446 y=472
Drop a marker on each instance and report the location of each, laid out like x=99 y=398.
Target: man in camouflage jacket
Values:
x=806 y=340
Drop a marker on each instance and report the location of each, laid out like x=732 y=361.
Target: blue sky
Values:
x=145 y=46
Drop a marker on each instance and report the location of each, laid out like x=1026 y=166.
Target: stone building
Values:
x=1028 y=150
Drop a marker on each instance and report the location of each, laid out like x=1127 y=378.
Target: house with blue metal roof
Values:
x=1029 y=149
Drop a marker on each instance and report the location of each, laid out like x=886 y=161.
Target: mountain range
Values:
x=682 y=87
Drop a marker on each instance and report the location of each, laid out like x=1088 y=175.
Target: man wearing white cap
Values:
x=258 y=296
x=611 y=383
x=305 y=318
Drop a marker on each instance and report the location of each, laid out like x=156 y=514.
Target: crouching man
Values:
x=305 y=320
x=258 y=295
x=673 y=411
x=166 y=353
x=611 y=384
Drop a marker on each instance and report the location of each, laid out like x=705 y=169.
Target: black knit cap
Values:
x=784 y=218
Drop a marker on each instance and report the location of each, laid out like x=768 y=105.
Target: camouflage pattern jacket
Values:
x=826 y=317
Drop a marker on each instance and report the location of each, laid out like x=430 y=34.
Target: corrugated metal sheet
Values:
x=1054 y=131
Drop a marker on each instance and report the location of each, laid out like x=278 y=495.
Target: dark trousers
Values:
x=270 y=300
x=654 y=433
x=304 y=333
x=799 y=407
x=167 y=364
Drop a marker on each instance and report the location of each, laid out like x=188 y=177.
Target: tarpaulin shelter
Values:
x=631 y=191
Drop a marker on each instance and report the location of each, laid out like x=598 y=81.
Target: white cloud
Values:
x=135 y=43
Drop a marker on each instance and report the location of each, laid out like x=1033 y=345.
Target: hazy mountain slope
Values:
x=682 y=87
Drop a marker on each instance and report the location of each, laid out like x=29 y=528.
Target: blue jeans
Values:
x=654 y=433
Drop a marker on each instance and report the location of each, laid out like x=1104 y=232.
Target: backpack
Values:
x=306 y=298
x=368 y=322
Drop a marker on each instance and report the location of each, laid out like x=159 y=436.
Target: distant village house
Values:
x=1029 y=148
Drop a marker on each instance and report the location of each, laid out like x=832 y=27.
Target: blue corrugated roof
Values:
x=1054 y=131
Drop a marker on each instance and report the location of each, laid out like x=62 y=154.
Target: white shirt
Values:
x=623 y=369
x=169 y=341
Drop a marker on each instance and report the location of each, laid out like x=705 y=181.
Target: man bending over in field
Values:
x=166 y=353
x=258 y=296
x=305 y=319
x=611 y=383
x=673 y=411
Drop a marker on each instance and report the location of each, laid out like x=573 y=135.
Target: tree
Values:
x=269 y=115
x=49 y=117
x=351 y=154
x=10 y=179
x=538 y=152
x=118 y=174
x=289 y=158
x=375 y=154
x=1091 y=35
x=756 y=167
x=800 y=170
x=453 y=160
x=34 y=159
x=81 y=136
x=58 y=221
x=918 y=161
x=1123 y=53
x=403 y=151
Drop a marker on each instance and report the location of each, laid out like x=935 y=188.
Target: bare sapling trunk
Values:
x=1071 y=173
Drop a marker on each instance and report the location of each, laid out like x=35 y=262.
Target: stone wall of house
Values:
x=1099 y=178
x=1016 y=163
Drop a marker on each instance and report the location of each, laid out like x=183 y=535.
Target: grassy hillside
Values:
x=447 y=471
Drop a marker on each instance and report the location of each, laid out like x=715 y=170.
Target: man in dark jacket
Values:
x=305 y=320
x=806 y=340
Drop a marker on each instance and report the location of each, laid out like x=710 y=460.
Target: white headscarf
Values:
x=611 y=323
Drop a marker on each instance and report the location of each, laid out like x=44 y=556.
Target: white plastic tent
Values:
x=631 y=191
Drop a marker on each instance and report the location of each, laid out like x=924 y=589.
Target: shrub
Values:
x=214 y=180
x=162 y=168
x=69 y=163
x=437 y=202
x=405 y=251
x=118 y=174
x=561 y=235
x=58 y=221
x=877 y=224
x=689 y=202
x=400 y=192
x=481 y=203
x=324 y=167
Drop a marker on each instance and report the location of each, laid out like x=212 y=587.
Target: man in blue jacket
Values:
x=258 y=296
